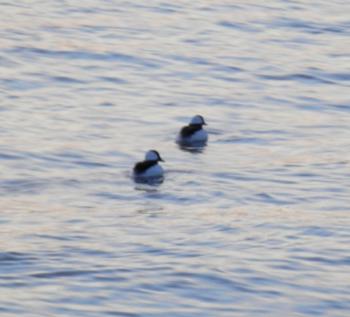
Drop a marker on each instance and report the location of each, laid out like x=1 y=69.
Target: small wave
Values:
x=238 y=26
x=227 y=79
x=114 y=196
x=339 y=76
x=316 y=231
x=59 y=274
x=191 y=60
x=120 y=313
x=15 y=257
x=297 y=77
x=342 y=107
x=227 y=69
x=6 y=156
x=66 y=80
x=22 y=84
x=23 y=186
x=246 y=140
x=308 y=26
x=90 y=164
x=84 y=55
x=267 y=198
x=345 y=261
x=214 y=279
x=114 y=80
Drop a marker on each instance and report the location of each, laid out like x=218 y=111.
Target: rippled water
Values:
x=255 y=225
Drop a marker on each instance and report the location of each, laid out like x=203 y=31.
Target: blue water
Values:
x=257 y=224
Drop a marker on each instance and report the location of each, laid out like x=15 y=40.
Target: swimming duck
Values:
x=149 y=168
x=193 y=134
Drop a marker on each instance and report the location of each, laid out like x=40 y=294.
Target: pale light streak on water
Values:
x=255 y=225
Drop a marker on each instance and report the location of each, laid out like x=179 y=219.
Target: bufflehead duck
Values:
x=193 y=134
x=149 y=168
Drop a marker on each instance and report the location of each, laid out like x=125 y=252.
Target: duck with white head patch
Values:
x=149 y=169
x=193 y=134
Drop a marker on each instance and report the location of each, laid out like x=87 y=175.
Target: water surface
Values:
x=256 y=224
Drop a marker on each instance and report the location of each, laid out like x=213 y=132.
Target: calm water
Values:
x=257 y=224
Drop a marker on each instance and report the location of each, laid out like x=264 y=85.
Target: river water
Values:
x=257 y=224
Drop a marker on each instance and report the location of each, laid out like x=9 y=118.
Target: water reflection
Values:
x=148 y=185
x=195 y=148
